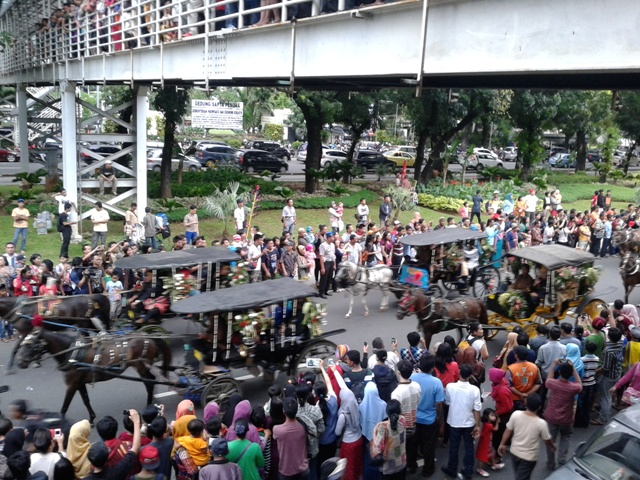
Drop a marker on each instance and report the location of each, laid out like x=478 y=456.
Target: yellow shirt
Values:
x=20 y=223
x=197 y=448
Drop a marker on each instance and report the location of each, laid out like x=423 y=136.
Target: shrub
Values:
x=349 y=201
x=466 y=190
x=440 y=203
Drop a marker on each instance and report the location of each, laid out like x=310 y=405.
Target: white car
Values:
x=332 y=156
x=302 y=152
x=485 y=151
x=154 y=162
x=510 y=154
x=479 y=161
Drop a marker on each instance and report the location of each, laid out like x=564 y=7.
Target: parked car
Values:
x=612 y=451
x=594 y=156
x=399 y=157
x=9 y=155
x=217 y=155
x=553 y=159
x=301 y=156
x=509 y=154
x=486 y=151
x=154 y=162
x=370 y=159
x=565 y=161
x=272 y=147
x=407 y=149
x=332 y=156
x=260 y=160
x=479 y=161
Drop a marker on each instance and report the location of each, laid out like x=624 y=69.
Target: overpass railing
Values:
x=62 y=35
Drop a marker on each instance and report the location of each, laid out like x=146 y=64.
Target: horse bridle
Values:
x=636 y=267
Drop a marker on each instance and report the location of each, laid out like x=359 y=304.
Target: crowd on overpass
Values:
x=81 y=27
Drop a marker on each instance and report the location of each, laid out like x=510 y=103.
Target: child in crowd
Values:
x=213 y=428
x=485 y=453
x=114 y=289
x=149 y=458
x=585 y=400
x=311 y=259
x=195 y=444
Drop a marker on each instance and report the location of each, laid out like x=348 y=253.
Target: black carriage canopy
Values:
x=180 y=258
x=554 y=256
x=242 y=297
x=442 y=236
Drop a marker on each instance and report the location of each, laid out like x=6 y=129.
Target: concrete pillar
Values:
x=23 y=127
x=69 y=146
x=140 y=157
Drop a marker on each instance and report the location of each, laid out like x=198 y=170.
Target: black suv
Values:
x=259 y=160
x=370 y=159
x=217 y=155
x=272 y=147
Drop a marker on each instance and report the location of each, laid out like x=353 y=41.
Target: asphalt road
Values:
x=44 y=388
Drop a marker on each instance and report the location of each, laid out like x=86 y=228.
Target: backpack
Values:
x=467 y=351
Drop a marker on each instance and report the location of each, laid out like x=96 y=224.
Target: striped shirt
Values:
x=408 y=394
x=612 y=356
x=590 y=365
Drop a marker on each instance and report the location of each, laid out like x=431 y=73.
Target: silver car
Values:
x=612 y=452
x=154 y=162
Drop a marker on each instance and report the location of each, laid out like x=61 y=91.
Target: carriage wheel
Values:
x=490 y=333
x=486 y=282
x=322 y=349
x=594 y=307
x=155 y=330
x=219 y=390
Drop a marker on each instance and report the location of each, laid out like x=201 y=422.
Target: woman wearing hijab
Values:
x=349 y=430
x=573 y=354
x=227 y=418
x=78 y=448
x=508 y=205
x=243 y=410
x=184 y=414
x=372 y=411
x=632 y=313
x=211 y=409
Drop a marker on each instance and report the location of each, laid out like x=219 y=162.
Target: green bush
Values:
x=556 y=178
x=349 y=201
x=439 y=203
x=466 y=190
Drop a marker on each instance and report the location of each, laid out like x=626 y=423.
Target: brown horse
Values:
x=89 y=312
x=438 y=315
x=629 y=272
x=96 y=360
x=626 y=241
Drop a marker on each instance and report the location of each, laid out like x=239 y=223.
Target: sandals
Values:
x=482 y=473
x=5 y=340
x=596 y=422
x=497 y=466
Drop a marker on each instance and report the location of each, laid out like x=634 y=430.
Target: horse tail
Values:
x=102 y=309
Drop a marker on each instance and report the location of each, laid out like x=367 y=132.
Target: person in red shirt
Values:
x=22 y=284
x=107 y=428
x=501 y=394
x=559 y=412
x=447 y=370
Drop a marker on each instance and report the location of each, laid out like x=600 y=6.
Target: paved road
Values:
x=44 y=388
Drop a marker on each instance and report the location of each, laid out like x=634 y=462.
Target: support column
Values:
x=140 y=157
x=23 y=126
x=69 y=142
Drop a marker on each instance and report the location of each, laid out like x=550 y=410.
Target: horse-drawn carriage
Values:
x=254 y=330
x=560 y=288
x=449 y=259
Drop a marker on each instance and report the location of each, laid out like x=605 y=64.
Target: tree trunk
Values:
x=581 y=151
x=180 y=170
x=165 y=166
x=314 y=153
x=486 y=131
x=417 y=166
x=434 y=166
x=352 y=148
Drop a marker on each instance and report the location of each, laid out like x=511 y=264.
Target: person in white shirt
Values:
x=549 y=232
x=44 y=459
x=464 y=422
x=531 y=203
x=100 y=218
x=254 y=256
x=363 y=211
x=238 y=215
x=392 y=358
x=353 y=250
x=288 y=217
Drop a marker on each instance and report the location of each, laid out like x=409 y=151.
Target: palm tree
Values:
x=222 y=203
x=400 y=200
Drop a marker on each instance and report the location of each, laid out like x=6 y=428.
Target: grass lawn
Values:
x=574 y=195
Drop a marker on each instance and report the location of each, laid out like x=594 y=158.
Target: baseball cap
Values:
x=598 y=323
x=532 y=191
x=220 y=447
x=396 y=222
x=309 y=229
x=330 y=234
x=108 y=162
x=496 y=191
x=237 y=237
x=20 y=257
x=149 y=458
x=21 y=200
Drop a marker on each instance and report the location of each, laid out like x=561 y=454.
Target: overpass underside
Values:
x=440 y=43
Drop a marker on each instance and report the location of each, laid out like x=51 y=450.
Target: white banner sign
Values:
x=214 y=114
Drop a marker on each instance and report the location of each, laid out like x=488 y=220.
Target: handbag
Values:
x=631 y=396
x=498 y=360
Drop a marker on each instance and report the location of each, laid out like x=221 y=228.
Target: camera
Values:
x=126 y=412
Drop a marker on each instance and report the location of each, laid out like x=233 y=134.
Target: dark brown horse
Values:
x=629 y=272
x=89 y=312
x=626 y=241
x=438 y=314
x=96 y=360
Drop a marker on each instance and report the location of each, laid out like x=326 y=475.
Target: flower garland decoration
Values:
x=238 y=274
x=514 y=303
x=566 y=278
x=453 y=257
x=486 y=252
x=251 y=325
x=180 y=286
x=589 y=276
x=314 y=316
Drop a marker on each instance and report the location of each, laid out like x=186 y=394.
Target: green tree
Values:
x=222 y=203
x=273 y=132
x=172 y=102
x=532 y=111
x=628 y=120
x=317 y=108
x=582 y=113
x=257 y=101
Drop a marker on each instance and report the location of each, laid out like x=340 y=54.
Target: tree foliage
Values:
x=628 y=120
x=273 y=132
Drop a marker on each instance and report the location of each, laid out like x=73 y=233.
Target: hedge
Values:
x=441 y=204
x=349 y=201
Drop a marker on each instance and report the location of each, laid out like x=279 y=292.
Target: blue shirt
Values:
x=75 y=278
x=329 y=435
x=432 y=393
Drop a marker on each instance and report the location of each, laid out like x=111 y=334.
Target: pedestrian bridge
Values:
x=326 y=43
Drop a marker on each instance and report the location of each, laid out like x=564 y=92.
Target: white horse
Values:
x=359 y=280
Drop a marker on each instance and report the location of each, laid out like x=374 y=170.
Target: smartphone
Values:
x=55 y=432
x=393 y=339
x=331 y=362
x=313 y=362
x=366 y=344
